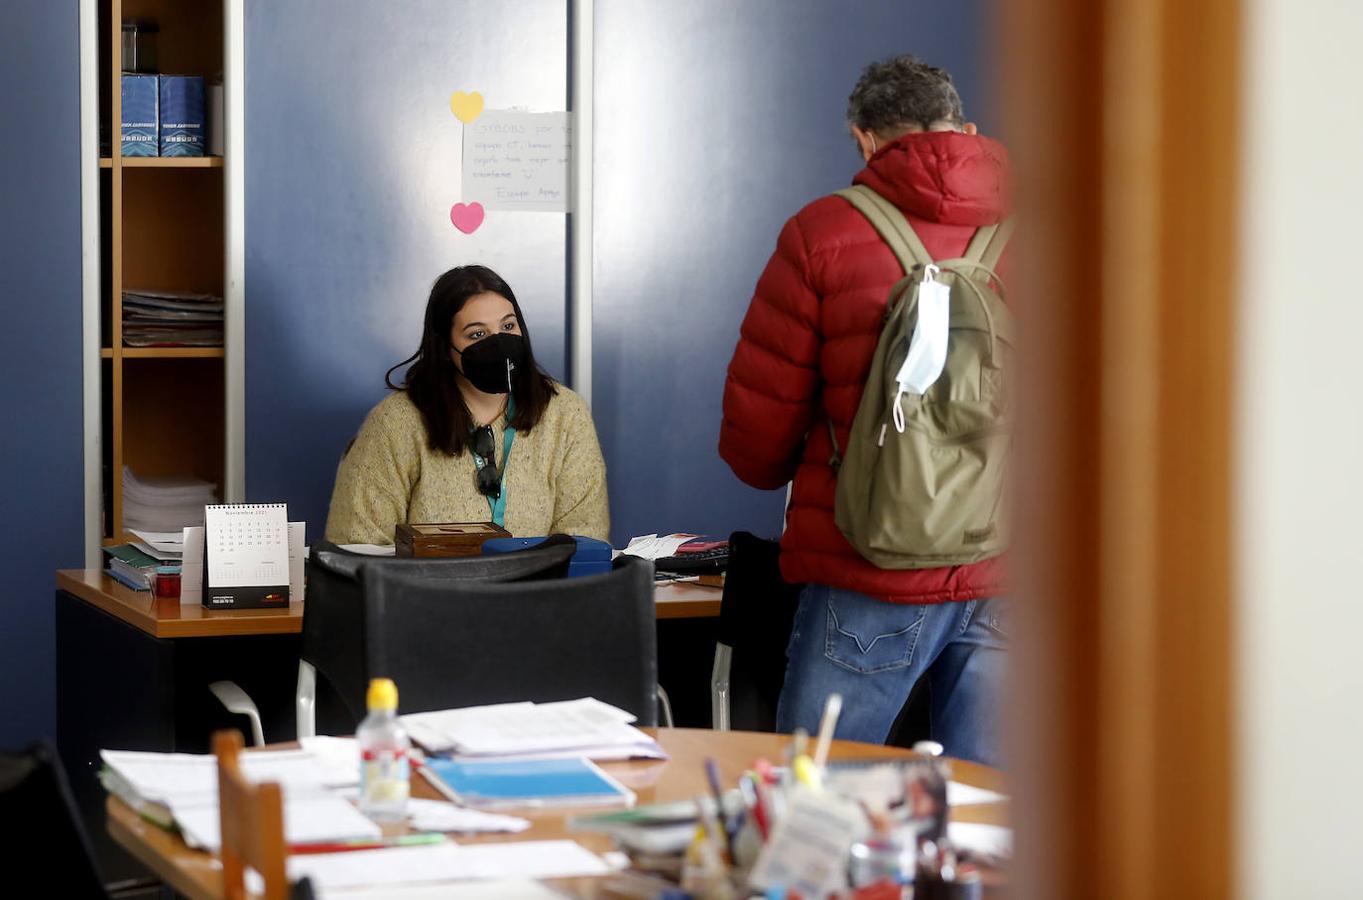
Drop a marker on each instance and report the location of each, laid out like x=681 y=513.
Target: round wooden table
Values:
x=195 y=873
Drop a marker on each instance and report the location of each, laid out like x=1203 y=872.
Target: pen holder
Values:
x=879 y=859
x=936 y=886
x=166 y=582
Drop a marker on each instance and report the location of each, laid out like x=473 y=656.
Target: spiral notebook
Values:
x=246 y=556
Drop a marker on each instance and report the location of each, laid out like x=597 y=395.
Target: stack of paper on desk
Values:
x=382 y=871
x=650 y=546
x=523 y=731
x=182 y=788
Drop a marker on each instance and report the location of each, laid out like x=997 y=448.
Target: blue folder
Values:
x=548 y=782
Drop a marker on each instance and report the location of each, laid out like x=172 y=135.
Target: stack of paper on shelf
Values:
x=164 y=504
x=166 y=547
x=584 y=728
x=171 y=319
x=182 y=789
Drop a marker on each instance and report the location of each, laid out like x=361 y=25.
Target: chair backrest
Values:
x=547 y=559
x=756 y=614
x=332 y=619
x=43 y=831
x=450 y=644
x=251 y=817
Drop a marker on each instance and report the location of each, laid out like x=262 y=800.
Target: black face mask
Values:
x=490 y=363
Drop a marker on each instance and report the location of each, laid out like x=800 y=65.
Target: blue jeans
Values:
x=873 y=652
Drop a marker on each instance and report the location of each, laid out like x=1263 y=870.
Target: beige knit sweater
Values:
x=556 y=481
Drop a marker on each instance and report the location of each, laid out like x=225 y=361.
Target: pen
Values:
x=405 y=840
x=712 y=775
x=831 y=710
x=715 y=836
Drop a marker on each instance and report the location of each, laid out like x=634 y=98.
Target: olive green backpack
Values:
x=921 y=482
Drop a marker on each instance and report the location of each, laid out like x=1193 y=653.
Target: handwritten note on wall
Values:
x=518 y=160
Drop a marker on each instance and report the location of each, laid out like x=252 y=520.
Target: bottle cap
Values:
x=383 y=694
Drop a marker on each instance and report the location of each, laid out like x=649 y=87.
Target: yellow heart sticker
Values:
x=466 y=107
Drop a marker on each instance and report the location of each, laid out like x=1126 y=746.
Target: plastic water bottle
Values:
x=384 y=750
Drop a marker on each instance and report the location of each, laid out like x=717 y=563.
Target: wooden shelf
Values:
x=172 y=162
x=164 y=162
x=172 y=353
x=165 y=353
x=162 y=230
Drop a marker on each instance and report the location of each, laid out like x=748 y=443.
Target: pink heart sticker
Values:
x=467 y=218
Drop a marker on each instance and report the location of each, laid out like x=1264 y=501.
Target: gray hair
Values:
x=902 y=92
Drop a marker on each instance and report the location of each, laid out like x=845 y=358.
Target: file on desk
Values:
x=549 y=782
x=131 y=567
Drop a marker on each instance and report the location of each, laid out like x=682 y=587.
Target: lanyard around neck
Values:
x=497 y=507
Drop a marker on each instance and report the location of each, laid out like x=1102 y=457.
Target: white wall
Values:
x=1300 y=476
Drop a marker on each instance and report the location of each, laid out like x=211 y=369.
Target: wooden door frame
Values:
x=1123 y=119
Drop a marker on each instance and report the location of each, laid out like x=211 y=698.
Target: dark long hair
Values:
x=431 y=380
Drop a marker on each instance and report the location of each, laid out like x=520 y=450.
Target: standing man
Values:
x=802 y=362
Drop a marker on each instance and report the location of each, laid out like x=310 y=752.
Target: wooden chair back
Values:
x=252 y=820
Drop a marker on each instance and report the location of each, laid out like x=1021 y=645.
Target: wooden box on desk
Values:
x=448 y=539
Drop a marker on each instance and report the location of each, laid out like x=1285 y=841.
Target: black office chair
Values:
x=451 y=644
x=332 y=677
x=756 y=614
x=46 y=833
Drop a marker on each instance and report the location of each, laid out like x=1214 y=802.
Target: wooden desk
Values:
x=133 y=670
x=195 y=873
x=166 y=618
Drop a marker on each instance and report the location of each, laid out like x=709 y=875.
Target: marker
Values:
x=807 y=773
x=404 y=840
x=752 y=796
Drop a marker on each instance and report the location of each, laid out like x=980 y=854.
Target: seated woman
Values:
x=476 y=432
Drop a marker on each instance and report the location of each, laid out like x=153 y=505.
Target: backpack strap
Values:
x=886 y=218
x=979 y=243
x=992 y=240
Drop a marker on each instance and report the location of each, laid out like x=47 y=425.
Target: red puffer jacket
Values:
x=807 y=341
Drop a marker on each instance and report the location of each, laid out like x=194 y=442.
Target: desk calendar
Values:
x=246 y=556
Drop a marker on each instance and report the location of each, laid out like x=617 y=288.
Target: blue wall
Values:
x=352 y=164
x=715 y=122
x=41 y=479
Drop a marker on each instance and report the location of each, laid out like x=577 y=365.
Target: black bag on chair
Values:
x=756 y=615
